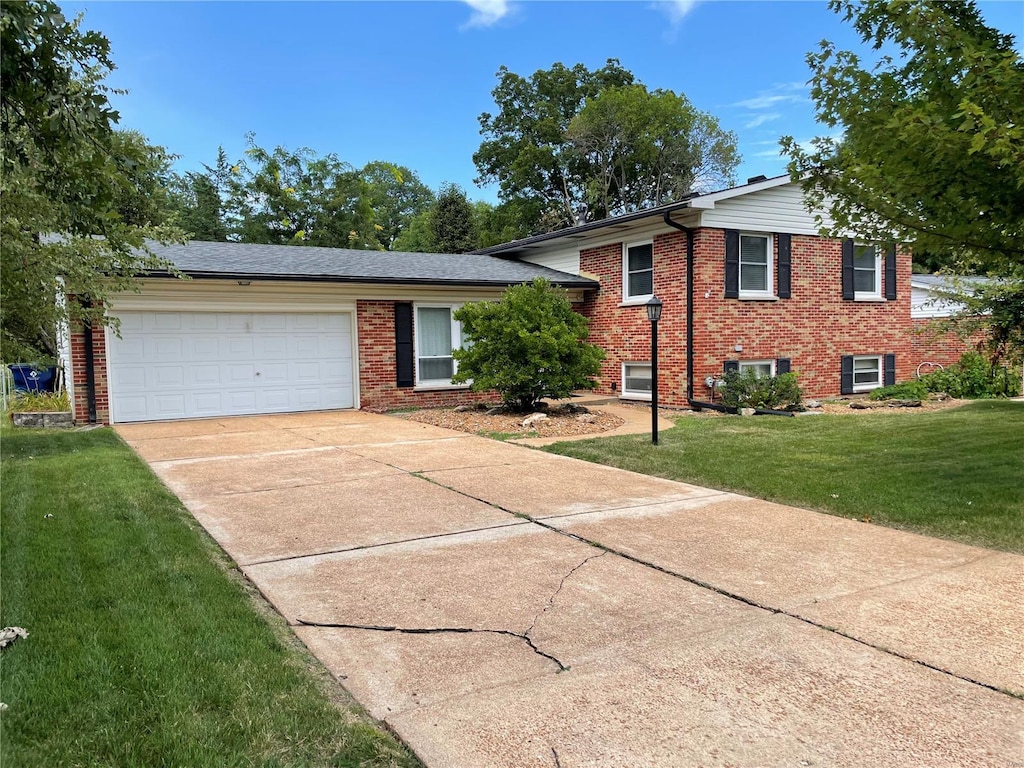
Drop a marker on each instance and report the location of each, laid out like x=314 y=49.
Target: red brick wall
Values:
x=80 y=407
x=378 y=388
x=927 y=346
x=814 y=328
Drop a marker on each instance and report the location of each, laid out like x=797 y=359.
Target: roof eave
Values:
x=581 y=283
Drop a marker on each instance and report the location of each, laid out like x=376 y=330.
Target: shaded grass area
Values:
x=145 y=648
x=957 y=474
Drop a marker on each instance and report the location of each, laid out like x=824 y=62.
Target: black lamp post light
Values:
x=654 y=315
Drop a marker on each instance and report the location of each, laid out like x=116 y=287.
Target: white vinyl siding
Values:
x=437 y=333
x=867 y=373
x=636 y=380
x=564 y=261
x=778 y=209
x=637 y=271
x=756 y=265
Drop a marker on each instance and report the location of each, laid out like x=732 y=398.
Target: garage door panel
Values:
x=178 y=365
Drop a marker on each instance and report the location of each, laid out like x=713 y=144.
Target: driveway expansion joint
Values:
x=437 y=631
x=732 y=595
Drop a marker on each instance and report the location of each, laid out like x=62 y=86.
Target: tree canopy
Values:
x=78 y=197
x=932 y=145
x=932 y=142
x=570 y=145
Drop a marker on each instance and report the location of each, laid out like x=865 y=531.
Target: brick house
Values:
x=745 y=280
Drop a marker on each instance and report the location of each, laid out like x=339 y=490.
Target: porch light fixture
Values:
x=654 y=315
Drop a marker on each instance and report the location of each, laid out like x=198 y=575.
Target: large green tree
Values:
x=299 y=198
x=396 y=195
x=571 y=144
x=646 y=148
x=74 y=205
x=931 y=149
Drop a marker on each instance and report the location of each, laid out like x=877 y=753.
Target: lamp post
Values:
x=654 y=315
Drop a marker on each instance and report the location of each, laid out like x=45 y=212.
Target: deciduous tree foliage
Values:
x=932 y=143
x=528 y=346
x=570 y=145
x=74 y=193
x=396 y=195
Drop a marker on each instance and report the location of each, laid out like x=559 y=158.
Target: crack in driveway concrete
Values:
x=728 y=593
x=524 y=636
x=437 y=631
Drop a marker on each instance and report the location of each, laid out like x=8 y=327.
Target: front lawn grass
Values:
x=956 y=474
x=144 y=647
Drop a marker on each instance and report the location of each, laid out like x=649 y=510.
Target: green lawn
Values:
x=957 y=474
x=145 y=647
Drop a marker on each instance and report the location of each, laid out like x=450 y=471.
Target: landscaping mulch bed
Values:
x=558 y=424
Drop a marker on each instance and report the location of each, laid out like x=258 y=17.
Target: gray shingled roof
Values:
x=289 y=262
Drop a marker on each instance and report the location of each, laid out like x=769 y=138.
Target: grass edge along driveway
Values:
x=955 y=474
x=145 y=646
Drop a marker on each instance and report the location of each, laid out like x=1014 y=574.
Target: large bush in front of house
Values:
x=748 y=389
x=528 y=346
x=974 y=376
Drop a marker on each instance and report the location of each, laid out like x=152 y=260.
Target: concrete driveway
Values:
x=498 y=606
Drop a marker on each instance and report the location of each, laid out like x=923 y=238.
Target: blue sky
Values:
x=406 y=81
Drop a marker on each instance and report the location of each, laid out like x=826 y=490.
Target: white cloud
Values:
x=676 y=10
x=487 y=12
x=780 y=93
x=762 y=119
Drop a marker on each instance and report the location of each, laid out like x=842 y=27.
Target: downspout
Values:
x=689 y=318
x=90 y=368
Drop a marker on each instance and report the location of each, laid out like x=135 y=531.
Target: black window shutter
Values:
x=890 y=273
x=732 y=263
x=848 y=269
x=783 y=284
x=403 y=344
x=731 y=365
x=890 y=371
x=782 y=366
x=846 y=385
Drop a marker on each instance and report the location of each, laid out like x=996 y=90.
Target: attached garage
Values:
x=179 y=365
x=258 y=329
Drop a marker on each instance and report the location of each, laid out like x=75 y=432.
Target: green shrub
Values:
x=528 y=346
x=24 y=402
x=973 y=377
x=747 y=389
x=908 y=390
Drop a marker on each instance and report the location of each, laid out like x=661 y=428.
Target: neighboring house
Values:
x=746 y=282
x=271 y=329
x=930 y=301
x=745 y=279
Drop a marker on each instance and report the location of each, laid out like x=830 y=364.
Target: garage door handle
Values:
x=257 y=373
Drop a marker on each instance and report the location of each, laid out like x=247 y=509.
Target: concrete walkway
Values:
x=498 y=606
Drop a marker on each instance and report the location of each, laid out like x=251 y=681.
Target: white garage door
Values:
x=181 y=365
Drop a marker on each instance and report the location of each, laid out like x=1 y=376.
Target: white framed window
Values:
x=636 y=380
x=760 y=367
x=437 y=333
x=637 y=271
x=867 y=272
x=867 y=372
x=756 y=265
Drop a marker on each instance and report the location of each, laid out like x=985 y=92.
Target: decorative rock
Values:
x=59 y=419
x=940 y=396
x=465 y=408
x=867 y=405
x=534 y=418
x=904 y=403
x=746 y=411
x=27 y=419
x=812 y=403
x=495 y=411
x=586 y=418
